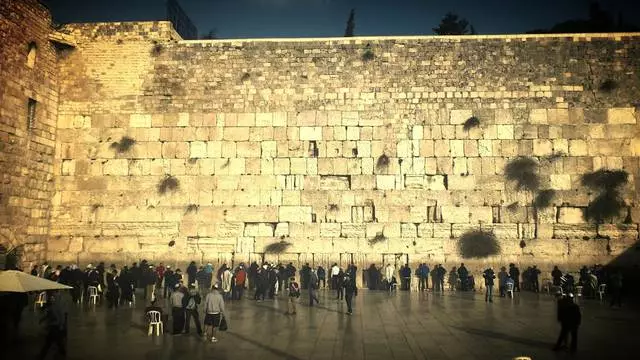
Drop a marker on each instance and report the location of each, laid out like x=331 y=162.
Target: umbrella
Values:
x=17 y=281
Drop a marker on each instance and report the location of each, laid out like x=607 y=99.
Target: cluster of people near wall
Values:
x=201 y=287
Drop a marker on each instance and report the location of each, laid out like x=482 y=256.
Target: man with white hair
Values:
x=214 y=312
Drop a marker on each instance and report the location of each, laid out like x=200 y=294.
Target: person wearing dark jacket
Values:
x=488 y=275
x=190 y=304
x=339 y=283
x=463 y=275
x=514 y=274
x=350 y=290
x=556 y=274
x=322 y=277
x=405 y=277
x=192 y=270
x=253 y=275
x=169 y=282
x=113 y=289
x=569 y=317
x=291 y=273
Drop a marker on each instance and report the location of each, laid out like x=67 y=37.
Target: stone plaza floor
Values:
x=399 y=326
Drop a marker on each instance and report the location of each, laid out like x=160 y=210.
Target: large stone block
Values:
x=455 y=214
x=621 y=115
x=300 y=214
x=571 y=215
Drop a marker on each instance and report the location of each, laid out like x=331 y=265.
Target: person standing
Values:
x=616 y=289
x=294 y=295
x=569 y=317
x=177 y=310
x=160 y=270
x=514 y=273
x=463 y=275
x=190 y=302
x=55 y=318
x=556 y=275
x=502 y=281
x=488 y=275
x=350 y=290
x=201 y=276
x=113 y=290
x=441 y=274
x=340 y=285
x=434 y=278
x=453 y=279
x=192 y=270
x=214 y=311
x=322 y=277
x=335 y=271
x=169 y=282
x=313 y=280
x=389 y=272
x=240 y=279
x=423 y=274
x=226 y=283
x=261 y=284
x=535 y=272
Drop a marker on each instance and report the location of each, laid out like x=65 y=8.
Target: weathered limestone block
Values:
x=328 y=230
x=464 y=182
x=570 y=215
x=139 y=229
x=619 y=232
x=442 y=230
x=310 y=133
x=538 y=116
x=455 y=214
x=408 y=230
x=350 y=230
x=385 y=182
x=116 y=167
x=258 y=229
x=251 y=214
x=300 y=214
x=334 y=182
x=574 y=231
x=459 y=116
x=140 y=120
x=425 y=230
x=481 y=214
x=560 y=182
x=621 y=115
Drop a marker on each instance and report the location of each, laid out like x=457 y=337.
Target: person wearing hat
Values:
x=569 y=317
x=177 y=310
x=214 y=312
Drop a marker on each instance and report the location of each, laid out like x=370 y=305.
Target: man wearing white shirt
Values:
x=335 y=270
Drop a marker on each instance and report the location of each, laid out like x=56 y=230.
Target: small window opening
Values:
x=31 y=114
x=31 y=55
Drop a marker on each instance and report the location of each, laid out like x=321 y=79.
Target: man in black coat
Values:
x=569 y=317
x=489 y=275
x=463 y=275
x=514 y=273
x=350 y=290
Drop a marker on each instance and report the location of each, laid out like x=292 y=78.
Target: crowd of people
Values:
x=204 y=288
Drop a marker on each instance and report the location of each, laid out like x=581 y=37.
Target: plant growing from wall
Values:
x=608 y=203
x=168 y=184
x=277 y=248
x=157 y=48
x=123 y=145
x=478 y=244
x=471 y=123
x=382 y=163
x=245 y=77
x=377 y=239
x=191 y=208
x=523 y=171
x=367 y=54
x=608 y=86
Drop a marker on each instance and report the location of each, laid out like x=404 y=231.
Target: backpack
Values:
x=294 y=290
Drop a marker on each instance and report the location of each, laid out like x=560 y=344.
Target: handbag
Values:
x=223 y=323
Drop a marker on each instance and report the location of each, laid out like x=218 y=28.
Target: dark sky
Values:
x=315 y=18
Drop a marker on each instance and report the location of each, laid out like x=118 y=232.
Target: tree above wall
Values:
x=452 y=24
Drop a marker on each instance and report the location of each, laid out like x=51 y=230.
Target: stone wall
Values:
x=344 y=149
x=26 y=154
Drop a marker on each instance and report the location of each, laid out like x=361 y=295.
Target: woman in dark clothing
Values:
x=126 y=282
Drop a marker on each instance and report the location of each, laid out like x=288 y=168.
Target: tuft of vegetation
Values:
x=383 y=162
x=333 y=207
x=368 y=55
x=169 y=183
x=513 y=206
x=123 y=145
x=603 y=180
x=277 y=248
x=544 y=198
x=523 y=171
x=245 y=77
x=157 y=49
x=172 y=243
x=471 y=123
x=555 y=156
x=192 y=161
x=523 y=244
x=478 y=244
x=226 y=163
x=377 y=239
x=191 y=208
x=95 y=207
x=608 y=86
x=608 y=204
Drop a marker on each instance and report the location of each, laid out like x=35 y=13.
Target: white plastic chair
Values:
x=155 y=320
x=510 y=289
x=93 y=295
x=132 y=303
x=601 y=290
x=41 y=299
